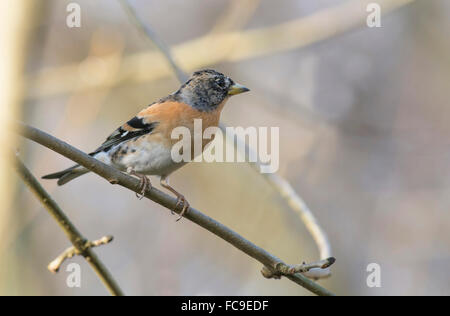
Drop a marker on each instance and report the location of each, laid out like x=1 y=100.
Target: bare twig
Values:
x=214 y=48
x=114 y=176
x=82 y=246
x=281 y=185
x=72 y=251
x=149 y=34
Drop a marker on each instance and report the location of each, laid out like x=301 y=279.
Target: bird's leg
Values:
x=144 y=185
x=181 y=200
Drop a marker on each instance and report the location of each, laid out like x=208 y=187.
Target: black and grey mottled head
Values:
x=206 y=89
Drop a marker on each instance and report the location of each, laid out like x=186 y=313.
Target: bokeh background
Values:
x=364 y=139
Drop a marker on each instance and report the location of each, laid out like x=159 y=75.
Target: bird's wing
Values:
x=137 y=126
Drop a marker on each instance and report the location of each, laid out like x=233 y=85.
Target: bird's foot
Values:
x=181 y=200
x=144 y=183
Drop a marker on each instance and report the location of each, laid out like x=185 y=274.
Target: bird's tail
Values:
x=67 y=174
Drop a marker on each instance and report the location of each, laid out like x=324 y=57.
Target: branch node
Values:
x=269 y=273
x=113 y=181
x=70 y=252
x=314 y=270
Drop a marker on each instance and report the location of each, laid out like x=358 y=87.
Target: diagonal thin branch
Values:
x=114 y=176
x=294 y=201
x=79 y=243
x=149 y=34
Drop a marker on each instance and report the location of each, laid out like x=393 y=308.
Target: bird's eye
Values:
x=219 y=81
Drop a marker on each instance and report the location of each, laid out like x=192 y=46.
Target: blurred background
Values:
x=364 y=139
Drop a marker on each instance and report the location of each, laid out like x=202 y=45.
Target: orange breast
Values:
x=170 y=115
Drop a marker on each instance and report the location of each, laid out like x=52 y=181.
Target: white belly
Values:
x=150 y=159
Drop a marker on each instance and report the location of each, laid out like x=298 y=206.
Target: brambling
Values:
x=142 y=146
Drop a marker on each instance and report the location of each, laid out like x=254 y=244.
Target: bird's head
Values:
x=207 y=89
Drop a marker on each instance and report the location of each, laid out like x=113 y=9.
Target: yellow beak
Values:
x=237 y=89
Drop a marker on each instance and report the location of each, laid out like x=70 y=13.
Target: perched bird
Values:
x=142 y=146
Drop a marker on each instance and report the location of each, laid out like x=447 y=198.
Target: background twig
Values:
x=81 y=245
x=212 y=49
x=149 y=34
x=296 y=203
